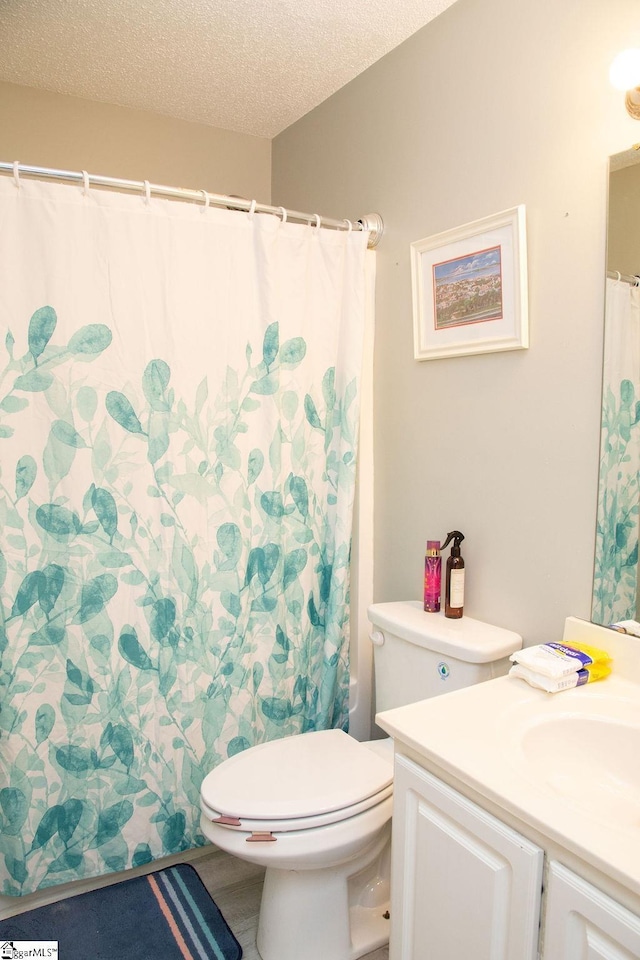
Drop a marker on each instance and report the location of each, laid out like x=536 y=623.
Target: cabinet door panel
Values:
x=582 y=923
x=464 y=885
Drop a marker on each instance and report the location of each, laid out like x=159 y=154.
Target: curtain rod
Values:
x=371 y=222
x=616 y=275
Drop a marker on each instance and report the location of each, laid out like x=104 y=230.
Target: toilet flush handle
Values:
x=377 y=638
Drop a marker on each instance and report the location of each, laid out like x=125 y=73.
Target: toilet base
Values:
x=337 y=914
x=369 y=929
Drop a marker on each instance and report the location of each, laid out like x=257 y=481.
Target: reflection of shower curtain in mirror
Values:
x=616 y=566
x=178 y=424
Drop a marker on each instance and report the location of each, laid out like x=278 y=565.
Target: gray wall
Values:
x=493 y=104
x=49 y=130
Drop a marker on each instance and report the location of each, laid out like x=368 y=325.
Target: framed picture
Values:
x=470 y=288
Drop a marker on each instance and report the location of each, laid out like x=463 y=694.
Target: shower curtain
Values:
x=616 y=563
x=179 y=395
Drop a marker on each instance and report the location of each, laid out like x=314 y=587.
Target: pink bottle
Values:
x=432 y=576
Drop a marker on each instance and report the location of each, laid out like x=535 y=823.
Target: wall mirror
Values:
x=615 y=591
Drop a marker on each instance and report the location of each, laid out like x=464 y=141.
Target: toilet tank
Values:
x=419 y=655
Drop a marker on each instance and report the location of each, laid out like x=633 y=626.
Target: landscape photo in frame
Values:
x=469 y=287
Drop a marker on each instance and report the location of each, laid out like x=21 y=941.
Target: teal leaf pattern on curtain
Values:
x=615 y=589
x=616 y=563
x=175 y=588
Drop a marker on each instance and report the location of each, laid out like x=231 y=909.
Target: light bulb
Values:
x=624 y=72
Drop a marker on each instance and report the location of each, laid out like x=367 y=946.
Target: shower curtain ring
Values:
x=147 y=192
x=318 y=221
x=85 y=180
x=207 y=200
x=349 y=225
x=16 y=174
x=283 y=213
x=252 y=209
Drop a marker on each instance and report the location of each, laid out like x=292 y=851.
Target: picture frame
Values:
x=469 y=287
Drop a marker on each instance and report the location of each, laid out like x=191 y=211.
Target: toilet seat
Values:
x=297 y=783
x=294 y=823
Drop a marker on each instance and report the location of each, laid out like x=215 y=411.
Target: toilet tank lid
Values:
x=469 y=640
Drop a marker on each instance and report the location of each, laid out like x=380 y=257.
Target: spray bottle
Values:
x=454 y=578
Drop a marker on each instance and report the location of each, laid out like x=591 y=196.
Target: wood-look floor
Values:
x=236 y=886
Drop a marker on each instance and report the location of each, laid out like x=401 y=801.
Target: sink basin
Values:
x=582 y=746
x=592 y=761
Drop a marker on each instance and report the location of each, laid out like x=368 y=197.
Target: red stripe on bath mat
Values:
x=164 y=906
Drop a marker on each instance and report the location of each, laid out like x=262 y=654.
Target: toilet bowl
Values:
x=315 y=809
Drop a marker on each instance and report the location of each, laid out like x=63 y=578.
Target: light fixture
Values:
x=624 y=74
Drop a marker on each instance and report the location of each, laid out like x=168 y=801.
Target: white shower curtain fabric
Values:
x=616 y=563
x=178 y=430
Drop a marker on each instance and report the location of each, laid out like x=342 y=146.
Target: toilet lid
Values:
x=296 y=777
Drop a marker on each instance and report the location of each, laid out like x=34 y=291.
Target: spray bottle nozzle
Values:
x=457 y=538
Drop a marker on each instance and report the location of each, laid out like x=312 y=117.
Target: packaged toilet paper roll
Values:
x=558 y=660
x=556 y=684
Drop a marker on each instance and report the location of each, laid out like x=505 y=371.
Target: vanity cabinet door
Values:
x=582 y=923
x=464 y=886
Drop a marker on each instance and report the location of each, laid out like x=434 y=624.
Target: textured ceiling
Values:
x=253 y=66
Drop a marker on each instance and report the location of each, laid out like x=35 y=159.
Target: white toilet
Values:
x=315 y=809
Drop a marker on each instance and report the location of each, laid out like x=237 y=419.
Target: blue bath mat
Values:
x=166 y=915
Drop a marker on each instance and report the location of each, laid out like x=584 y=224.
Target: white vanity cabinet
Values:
x=582 y=923
x=464 y=885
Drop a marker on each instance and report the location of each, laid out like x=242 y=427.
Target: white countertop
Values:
x=483 y=737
